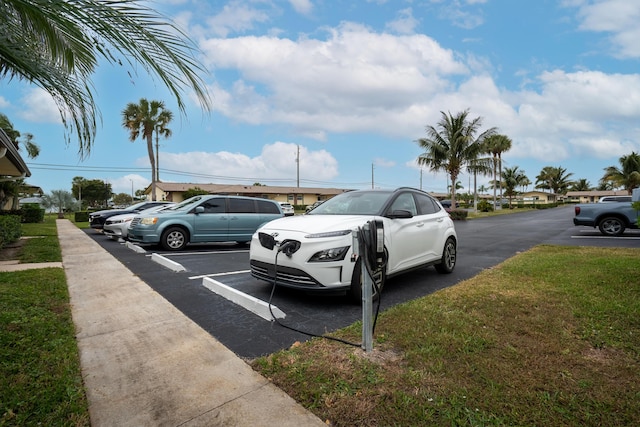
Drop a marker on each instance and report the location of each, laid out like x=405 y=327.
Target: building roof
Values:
x=244 y=189
x=597 y=193
x=11 y=163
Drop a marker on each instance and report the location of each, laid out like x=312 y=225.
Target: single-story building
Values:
x=592 y=196
x=174 y=192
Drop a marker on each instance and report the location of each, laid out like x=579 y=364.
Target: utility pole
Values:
x=298 y=167
x=372 y=176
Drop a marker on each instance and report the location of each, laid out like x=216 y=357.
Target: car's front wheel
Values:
x=449 y=254
x=611 y=226
x=174 y=239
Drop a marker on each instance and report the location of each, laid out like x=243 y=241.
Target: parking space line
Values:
x=607 y=237
x=251 y=303
x=228 y=273
x=207 y=253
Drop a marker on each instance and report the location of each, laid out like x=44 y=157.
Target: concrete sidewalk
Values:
x=144 y=363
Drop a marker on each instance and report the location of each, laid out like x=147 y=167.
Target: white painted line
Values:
x=229 y=273
x=135 y=248
x=166 y=262
x=607 y=237
x=253 y=304
x=210 y=252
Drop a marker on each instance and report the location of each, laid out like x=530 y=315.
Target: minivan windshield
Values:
x=186 y=204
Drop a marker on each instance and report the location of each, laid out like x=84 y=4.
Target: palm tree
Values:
x=143 y=119
x=496 y=145
x=512 y=178
x=581 y=185
x=555 y=179
x=628 y=175
x=452 y=145
x=57 y=45
x=60 y=199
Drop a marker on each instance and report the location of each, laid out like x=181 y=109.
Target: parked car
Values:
x=610 y=199
x=98 y=218
x=287 y=208
x=447 y=204
x=204 y=218
x=313 y=206
x=417 y=232
x=117 y=226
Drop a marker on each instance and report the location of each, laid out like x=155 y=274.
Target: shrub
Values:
x=458 y=214
x=81 y=216
x=10 y=230
x=32 y=213
x=485 y=206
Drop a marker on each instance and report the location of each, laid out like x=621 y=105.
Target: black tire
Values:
x=449 y=254
x=355 y=291
x=174 y=239
x=611 y=226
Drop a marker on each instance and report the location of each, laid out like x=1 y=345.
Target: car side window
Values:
x=214 y=206
x=241 y=206
x=426 y=204
x=405 y=202
x=267 y=207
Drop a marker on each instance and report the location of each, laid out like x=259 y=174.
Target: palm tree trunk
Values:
x=152 y=160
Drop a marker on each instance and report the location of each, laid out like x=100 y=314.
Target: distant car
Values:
x=118 y=225
x=314 y=205
x=417 y=232
x=447 y=204
x=204 y=219
x=287 y=208
x=612 y=199
x=97 y=219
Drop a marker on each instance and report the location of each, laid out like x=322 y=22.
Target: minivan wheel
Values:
x=174 y=239
x=448 y=261
x=611 y=226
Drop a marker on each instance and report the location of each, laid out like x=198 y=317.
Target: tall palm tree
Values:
x=496 y=145
x=555 y=179
x=512 y=178
x=626 y=176
x=143 y=119
x=451 y=145
x=57 y=46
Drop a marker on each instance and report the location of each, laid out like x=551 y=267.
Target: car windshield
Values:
x=353 y=203
x=186 y=204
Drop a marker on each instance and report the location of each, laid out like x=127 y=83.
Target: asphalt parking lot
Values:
x=186 y=278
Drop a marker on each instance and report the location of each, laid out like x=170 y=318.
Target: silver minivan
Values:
x=204 y=219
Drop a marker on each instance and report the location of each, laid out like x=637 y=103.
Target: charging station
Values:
x=368 y=245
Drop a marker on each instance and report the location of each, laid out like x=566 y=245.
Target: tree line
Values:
x=456 y=144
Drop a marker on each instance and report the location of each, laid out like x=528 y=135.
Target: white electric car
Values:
x=314 y=251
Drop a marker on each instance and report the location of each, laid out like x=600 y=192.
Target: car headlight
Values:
x=149 y=221
x=328 y=234
x=333 y=254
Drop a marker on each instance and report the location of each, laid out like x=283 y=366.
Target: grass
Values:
x=550 y=337
x=41 y=381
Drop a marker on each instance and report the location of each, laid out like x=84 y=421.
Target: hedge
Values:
x=10 y=229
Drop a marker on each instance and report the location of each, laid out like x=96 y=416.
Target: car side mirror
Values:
x=199 y=210
x=400 y=213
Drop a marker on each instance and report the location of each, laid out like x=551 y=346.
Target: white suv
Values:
x=287 y=208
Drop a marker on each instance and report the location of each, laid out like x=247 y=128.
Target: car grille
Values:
x=134 y=222
x=287 y=276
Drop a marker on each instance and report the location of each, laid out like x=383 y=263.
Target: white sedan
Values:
x=319 y=256
x=117 y=226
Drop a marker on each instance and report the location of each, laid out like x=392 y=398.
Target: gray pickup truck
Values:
x=610 y=218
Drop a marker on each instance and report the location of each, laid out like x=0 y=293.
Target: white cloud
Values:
x=236 y=17
x=276 y=162
x=4 y=103
x=126 y=183
x=619 y=18
x=303 y=7
x=404 y=23
x=39 y=107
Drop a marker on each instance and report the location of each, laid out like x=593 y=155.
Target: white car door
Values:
x=407 y=238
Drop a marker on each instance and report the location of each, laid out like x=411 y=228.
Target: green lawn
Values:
x=550 y=337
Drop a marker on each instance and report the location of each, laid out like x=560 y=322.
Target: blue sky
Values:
x=353 y=84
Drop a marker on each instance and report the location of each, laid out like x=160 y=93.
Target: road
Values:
x=483 y=243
